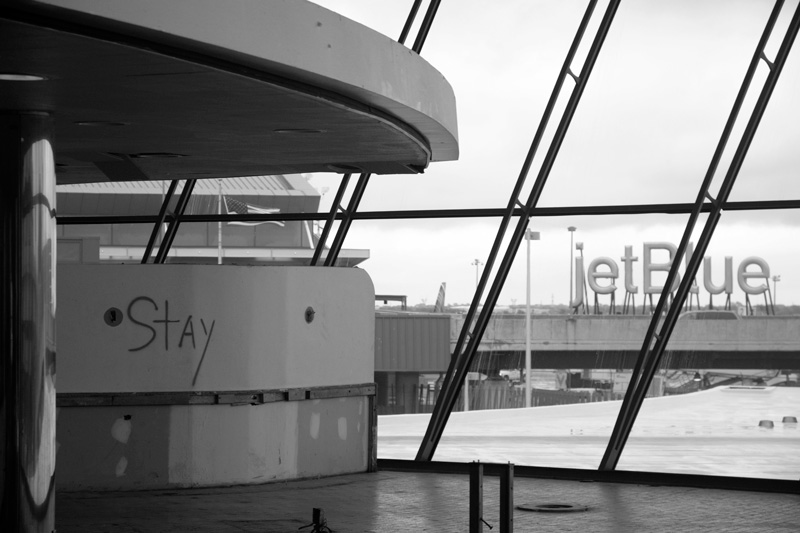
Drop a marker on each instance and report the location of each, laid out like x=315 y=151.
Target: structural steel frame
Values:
x=666 y=313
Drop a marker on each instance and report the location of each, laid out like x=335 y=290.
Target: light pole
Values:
x=477 y=264
x=529 y=236
x=571 y=230
x=585 y=299
x=775 y=280
x=219 y=224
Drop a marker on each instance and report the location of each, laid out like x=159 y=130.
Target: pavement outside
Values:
x=403 y=501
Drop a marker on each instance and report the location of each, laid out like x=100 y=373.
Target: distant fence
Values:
x=484 y=395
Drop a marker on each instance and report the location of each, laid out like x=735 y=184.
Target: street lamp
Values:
x=571 y=230
x=582 y=287
x=775 y=280
x=529 y=236
x=477 y=264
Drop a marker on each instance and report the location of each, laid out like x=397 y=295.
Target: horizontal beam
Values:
x=673 y=359
x=248 y=397
x=668 y=209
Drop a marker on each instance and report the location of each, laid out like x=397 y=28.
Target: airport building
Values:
x=166 y=256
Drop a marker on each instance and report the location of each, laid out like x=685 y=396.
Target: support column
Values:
x=27 y=323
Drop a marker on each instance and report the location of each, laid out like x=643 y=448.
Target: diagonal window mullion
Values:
x=461 y=360
x=650 y=359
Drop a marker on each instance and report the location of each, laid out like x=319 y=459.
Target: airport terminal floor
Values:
x=408 y=501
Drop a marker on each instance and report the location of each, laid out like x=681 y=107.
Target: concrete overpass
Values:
x=614 y=342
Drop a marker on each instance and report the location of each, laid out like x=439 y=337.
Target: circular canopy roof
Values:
x=200 y=89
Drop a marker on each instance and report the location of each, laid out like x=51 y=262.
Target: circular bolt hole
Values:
x=113 y=317
x=310 y=314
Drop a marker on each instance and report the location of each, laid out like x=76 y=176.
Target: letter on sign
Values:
x=743 y=275
x=649 y=267
x=628 y=259
x=594 y=275
x=727 y=286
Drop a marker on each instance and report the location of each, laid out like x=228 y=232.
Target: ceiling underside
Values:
x=125 y=113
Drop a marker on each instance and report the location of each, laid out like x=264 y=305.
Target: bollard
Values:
x=507 y=499
x=476 y=497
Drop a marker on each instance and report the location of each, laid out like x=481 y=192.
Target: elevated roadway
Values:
x=614 y=342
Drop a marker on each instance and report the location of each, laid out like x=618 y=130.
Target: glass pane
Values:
x=769 y=169
x=579 y=361
x=727 y=390
x=648 y=122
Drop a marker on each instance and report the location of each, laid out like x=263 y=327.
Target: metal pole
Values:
x=219 y=224
x=775 y=280
x=27 y=323
x=475 y=497
x=507 y=499
x=528 y=325
x=477 y=264
x=529 y=235
x=571 y=230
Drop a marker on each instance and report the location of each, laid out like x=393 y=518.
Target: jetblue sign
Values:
x=602 y=274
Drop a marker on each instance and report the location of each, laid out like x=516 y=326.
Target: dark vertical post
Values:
x=475 y=497
x=507 y=499
x=27 y=328
x=372 y=434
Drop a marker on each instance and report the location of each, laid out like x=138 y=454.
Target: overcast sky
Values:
x=644 y=132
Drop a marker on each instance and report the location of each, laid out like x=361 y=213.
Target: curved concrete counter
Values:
x=187 y=375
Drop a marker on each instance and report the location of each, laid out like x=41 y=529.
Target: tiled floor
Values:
x=401 y=501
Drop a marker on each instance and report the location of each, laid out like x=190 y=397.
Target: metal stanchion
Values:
x=507 y=499
x=476 y=497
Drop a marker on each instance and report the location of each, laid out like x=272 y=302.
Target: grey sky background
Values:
x=644 y=132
